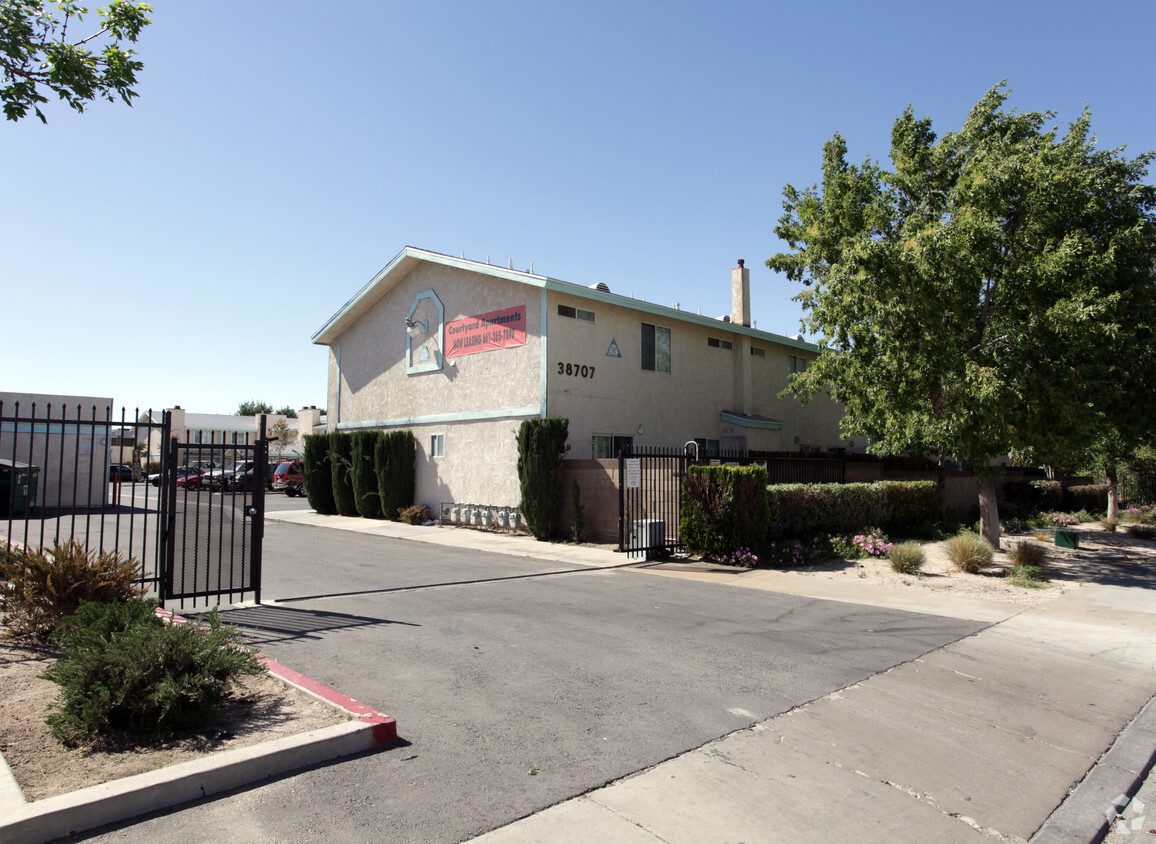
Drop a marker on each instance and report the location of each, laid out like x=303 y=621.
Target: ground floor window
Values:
x=437 y=445
x=707 y=447
x=607 y=446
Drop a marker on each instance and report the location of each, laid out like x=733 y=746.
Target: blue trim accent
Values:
x=90 y=429
x=545 y=351
x=747 y=422
x=440 y=339
x=470 y=416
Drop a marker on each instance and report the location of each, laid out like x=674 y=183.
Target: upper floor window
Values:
x=716 y=343
x=655 y=348
x=575 y=313
x=796 y=364
x=437 y=445
x=758 y=352
x=608 y=446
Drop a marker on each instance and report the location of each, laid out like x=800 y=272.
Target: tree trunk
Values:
x=941 y=479
x=988 y=511
x=1113 y=492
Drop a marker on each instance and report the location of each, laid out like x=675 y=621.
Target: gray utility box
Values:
x=647 y=539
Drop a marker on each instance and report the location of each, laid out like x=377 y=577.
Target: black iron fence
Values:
x=78 y=473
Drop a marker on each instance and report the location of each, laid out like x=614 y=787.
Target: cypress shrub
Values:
x=341 y=467
x=1090 y=497
x=541 y=444
x=319 y=475
x=363 y=445
x=724 y=508
x=394 y=459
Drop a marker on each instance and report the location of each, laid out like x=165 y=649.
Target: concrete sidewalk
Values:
x=1033 y=728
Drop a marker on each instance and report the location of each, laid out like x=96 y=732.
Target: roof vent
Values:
x=798 y=337
x=725 y=317
x=600 y=287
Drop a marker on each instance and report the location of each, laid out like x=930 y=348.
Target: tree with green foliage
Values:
x=253 y=407
x=38 y=58
x=395 y=461
x=341 y=465
x=971 y=300
x=363 y=445
x=287 y=412
x=319 y=474
x=541 y=446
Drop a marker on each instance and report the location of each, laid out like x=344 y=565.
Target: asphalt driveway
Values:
x=516 y=687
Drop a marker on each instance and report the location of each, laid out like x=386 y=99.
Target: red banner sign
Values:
x=495 y=330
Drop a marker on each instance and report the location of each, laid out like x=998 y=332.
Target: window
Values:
x=716 y=343
x=607 y=446
x=575 y=313
x=655 y=348
x=707 y=447
x=758 y=352
x=437 y=445
x=796 y=364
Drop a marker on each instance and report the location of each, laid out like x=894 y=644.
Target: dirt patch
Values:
x=258 y=710
x=1109 y=558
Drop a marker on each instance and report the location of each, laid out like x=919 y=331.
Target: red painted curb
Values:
x=384 y=728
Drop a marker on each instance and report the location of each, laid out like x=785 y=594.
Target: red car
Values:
x=290 y=477
x=189 y=479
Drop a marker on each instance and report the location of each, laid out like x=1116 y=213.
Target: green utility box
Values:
x=1067 y=539
x=17 y=486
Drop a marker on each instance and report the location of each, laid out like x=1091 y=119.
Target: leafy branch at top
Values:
x=37 y=58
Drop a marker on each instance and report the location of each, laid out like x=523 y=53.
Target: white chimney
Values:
x=741 y=295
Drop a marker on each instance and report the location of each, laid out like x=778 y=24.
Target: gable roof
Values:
x=411 y=257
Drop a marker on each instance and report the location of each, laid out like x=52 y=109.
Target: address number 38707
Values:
x=580 y=370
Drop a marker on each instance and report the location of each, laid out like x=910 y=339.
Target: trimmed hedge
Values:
x=341 y=464
x=1090 y=497
x=363 y=444
x=541 y=444
x=724 y=508
x=802 y=510
x=319 y=475
x=910 y=504
x=395 y=460
x=1034 y=496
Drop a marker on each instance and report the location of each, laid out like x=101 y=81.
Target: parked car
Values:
x=188 y=478
x=121 y=472
x=290 y=477
x=222 y=479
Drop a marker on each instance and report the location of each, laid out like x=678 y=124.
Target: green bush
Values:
x=362 y=446
x=1033 y=496
x=907 y=558
x=395 y=461
x=38 y=590
x=541 y=445
x=969 y=552
x=910 y=504
x=341 y=466
x=802 y=510
x=724 y=508
x=126 y=673
x=1028 y=576
x=319 y=474
x=1090 y=497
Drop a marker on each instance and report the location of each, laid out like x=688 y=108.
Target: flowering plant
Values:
x=1062 y=519
x=872 y=544
x=742 y=557
x=788 y=553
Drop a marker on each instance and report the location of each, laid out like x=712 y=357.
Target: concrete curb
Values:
x=1090 y=808
x=111 y=802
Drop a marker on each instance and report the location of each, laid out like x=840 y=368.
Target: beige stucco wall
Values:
x=73 y=458
x=680 y=405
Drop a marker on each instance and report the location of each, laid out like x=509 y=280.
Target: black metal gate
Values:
x=73 y=473
x=215 y=520
x=650 y=500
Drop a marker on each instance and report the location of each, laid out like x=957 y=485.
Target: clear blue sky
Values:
x=185 y=250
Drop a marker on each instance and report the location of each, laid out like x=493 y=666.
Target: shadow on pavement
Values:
x=265 y=624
